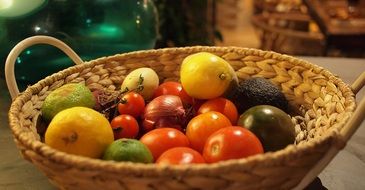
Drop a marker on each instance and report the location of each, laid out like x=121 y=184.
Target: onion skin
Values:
x=164 y=111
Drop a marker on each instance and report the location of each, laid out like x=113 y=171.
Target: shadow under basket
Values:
x=326 y=103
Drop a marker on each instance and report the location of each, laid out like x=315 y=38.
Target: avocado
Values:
x=257 y=91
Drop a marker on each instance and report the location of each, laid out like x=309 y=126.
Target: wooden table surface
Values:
x=346 y=170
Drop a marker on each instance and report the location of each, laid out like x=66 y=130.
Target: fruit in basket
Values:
x=271 y=125
x=124 y=126
x=231 y=143
x=257 y=91
x=66 y=96
x=221 y=105
x=81 y=131
x=180 y=155
x=132 y=104
x=205 y=76
x=143 y=81
x=202 y=126
x=160 y=140
x=128 y=150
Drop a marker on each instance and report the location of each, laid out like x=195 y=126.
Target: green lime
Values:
x=67 y=96
x=128 y=150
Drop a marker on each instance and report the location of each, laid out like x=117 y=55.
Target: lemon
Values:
x=68 y=95
x=81 y=131
x=205 y=76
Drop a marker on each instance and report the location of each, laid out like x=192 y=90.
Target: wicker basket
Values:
x=328 y=121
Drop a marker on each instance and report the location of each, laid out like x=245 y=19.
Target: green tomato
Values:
x=271 y=125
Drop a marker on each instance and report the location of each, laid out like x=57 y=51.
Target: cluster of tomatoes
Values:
x=210 y=134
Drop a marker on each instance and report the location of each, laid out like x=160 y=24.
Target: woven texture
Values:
x=323 y=100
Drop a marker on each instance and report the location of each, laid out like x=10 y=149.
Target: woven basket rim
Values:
x=152 y=169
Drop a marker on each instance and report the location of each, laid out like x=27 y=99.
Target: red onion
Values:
x=164 y=111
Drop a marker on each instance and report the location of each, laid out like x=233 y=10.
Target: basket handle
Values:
x=358 y=116
x=15 y=52
x=346 y=133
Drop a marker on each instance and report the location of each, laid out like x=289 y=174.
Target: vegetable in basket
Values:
x=163 y=139
x=164 y=111
x=142 y=80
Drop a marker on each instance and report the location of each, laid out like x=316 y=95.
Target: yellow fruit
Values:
x=68 y=95
x=81 y=131
x=143 y=81
x=205 y=76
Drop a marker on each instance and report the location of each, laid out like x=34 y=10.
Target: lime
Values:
x=81 y=131
x=128 y=150
x=67 y=96
x=205 y=76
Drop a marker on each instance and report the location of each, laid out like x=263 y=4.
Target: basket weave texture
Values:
x=325 y=102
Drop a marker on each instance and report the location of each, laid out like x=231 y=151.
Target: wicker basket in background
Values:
x=329 y=118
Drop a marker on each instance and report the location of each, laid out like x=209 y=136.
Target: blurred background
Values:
x=330 y=28
x=96 y=28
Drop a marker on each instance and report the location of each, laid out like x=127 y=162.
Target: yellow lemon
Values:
x=81 y=131
x=205 y=76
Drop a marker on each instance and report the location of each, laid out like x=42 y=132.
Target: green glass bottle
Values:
x=92 y=28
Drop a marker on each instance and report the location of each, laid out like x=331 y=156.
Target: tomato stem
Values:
x=123 y=101
x=140 y=83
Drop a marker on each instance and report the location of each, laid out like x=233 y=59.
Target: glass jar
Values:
x=92 y=28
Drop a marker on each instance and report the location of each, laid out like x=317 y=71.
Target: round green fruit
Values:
x=128 y=150
x=67 y=96
x=271 y=125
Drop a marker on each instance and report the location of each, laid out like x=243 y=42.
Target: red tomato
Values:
x=202 y=126
x=222 y=105
x=231 y=143
x=124 y=126
x=132 y=104
x=173 y=88
x=161 y=139
x=180 y=155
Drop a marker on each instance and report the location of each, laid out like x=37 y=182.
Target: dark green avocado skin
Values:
x=257 y=91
